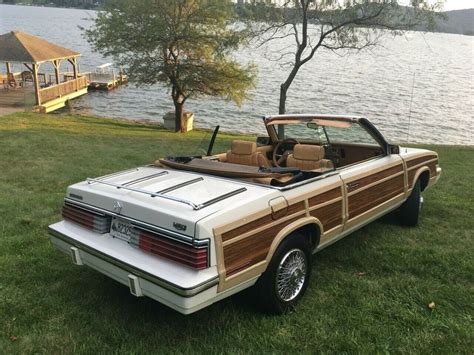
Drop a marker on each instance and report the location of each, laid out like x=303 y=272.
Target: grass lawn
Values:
x=368 y=293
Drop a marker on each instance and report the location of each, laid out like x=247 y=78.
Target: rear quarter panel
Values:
x=246 y=237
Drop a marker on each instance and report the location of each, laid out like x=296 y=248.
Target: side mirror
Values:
x=394 y=149
x=263 y=140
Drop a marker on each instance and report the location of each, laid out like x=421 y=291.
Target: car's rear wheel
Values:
x=410 y=210
x=287 y=276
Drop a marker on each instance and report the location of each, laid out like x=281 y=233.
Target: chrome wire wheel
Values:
x=291 y=275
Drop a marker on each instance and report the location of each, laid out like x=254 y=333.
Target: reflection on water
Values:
x=378 y=84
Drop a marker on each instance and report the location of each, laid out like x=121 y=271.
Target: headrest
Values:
x=308 y=152
x=243 y=147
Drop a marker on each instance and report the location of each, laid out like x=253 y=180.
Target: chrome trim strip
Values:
x=181 y=291
x=143 y=225
x=222 y=197
x=178 y=186
x=144 y=178
x=150 y=193
x=176 y=199
x=117 y=174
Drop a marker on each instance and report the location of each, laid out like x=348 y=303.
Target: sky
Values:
x=453 y=4
x=448 y=5
x=458 y=4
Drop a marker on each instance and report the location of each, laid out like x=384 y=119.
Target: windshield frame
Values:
x=271 y=123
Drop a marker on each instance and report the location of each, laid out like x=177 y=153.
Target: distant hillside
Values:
x=459 y=21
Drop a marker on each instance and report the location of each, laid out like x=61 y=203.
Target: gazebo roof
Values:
x=22 y=47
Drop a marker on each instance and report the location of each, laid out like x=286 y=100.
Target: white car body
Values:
x=197 y=210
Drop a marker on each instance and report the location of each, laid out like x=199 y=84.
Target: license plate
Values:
x=121 y=229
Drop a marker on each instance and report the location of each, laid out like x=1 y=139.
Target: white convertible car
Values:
x=188 y=231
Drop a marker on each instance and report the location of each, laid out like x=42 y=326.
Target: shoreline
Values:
x=156 y=125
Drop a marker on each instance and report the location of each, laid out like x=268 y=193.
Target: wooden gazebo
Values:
x=32 y=51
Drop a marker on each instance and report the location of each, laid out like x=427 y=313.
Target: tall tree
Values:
x=186 y=44
x=336 y=25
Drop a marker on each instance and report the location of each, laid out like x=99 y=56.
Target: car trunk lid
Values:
x=172 y=199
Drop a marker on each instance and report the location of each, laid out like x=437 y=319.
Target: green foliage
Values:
x=186 y=44
x=368 y=293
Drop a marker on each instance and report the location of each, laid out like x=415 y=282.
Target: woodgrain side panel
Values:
x=417 y=161
x=296 y=207
x=414 y=166
x=265 y=220
x=240 y=254
x=365 y=181
x=330 y=215
x=364 y=200
x=247 y=227
x=249 y=251
x=325 y=197
x=411 y=177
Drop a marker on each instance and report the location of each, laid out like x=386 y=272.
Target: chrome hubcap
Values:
x=422 y=200
x=291 y=275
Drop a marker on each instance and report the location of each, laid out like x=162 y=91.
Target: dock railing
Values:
x=100 y=77
x=63 y=89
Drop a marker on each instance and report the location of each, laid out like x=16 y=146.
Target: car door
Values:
x=373 y=178
x=371 y=188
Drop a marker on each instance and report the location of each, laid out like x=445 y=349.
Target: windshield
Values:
x=322 y=134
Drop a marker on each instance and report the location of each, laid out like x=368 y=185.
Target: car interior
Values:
x=281 y=160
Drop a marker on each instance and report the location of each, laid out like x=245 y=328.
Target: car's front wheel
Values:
x=287 y=276
x=410 y=210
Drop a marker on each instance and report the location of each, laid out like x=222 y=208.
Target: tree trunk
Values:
x=179 y=109
x=282 y=108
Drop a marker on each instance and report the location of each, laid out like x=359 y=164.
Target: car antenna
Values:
x=411 y=105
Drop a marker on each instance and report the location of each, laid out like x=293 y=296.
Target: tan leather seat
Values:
x=245 y=153
x=308 y=157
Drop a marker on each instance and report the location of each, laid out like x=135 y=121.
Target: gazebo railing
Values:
x=63 y=89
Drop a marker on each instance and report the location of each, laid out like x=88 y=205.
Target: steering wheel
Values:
x=279 y=156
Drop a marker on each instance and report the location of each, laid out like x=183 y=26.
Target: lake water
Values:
x=437 y=68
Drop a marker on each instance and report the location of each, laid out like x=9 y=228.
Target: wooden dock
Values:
x=56 y=96
x=105 y=78
x=52 y=98
x=50 y=91
x=18 y=97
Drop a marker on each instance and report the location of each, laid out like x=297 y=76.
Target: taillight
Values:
x=182 y=253
x=97 y=222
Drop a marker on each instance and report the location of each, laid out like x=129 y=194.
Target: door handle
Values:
x=353 y=185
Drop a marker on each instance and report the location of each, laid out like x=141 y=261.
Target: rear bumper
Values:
x=185 y=299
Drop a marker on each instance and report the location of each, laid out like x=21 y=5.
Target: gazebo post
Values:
x=37 y=87
x=9 y=68
x=75 y=70
x=56 y=64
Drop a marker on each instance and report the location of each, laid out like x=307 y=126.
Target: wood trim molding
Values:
x=375 y=178
x=369 y=198
x=424 y=159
